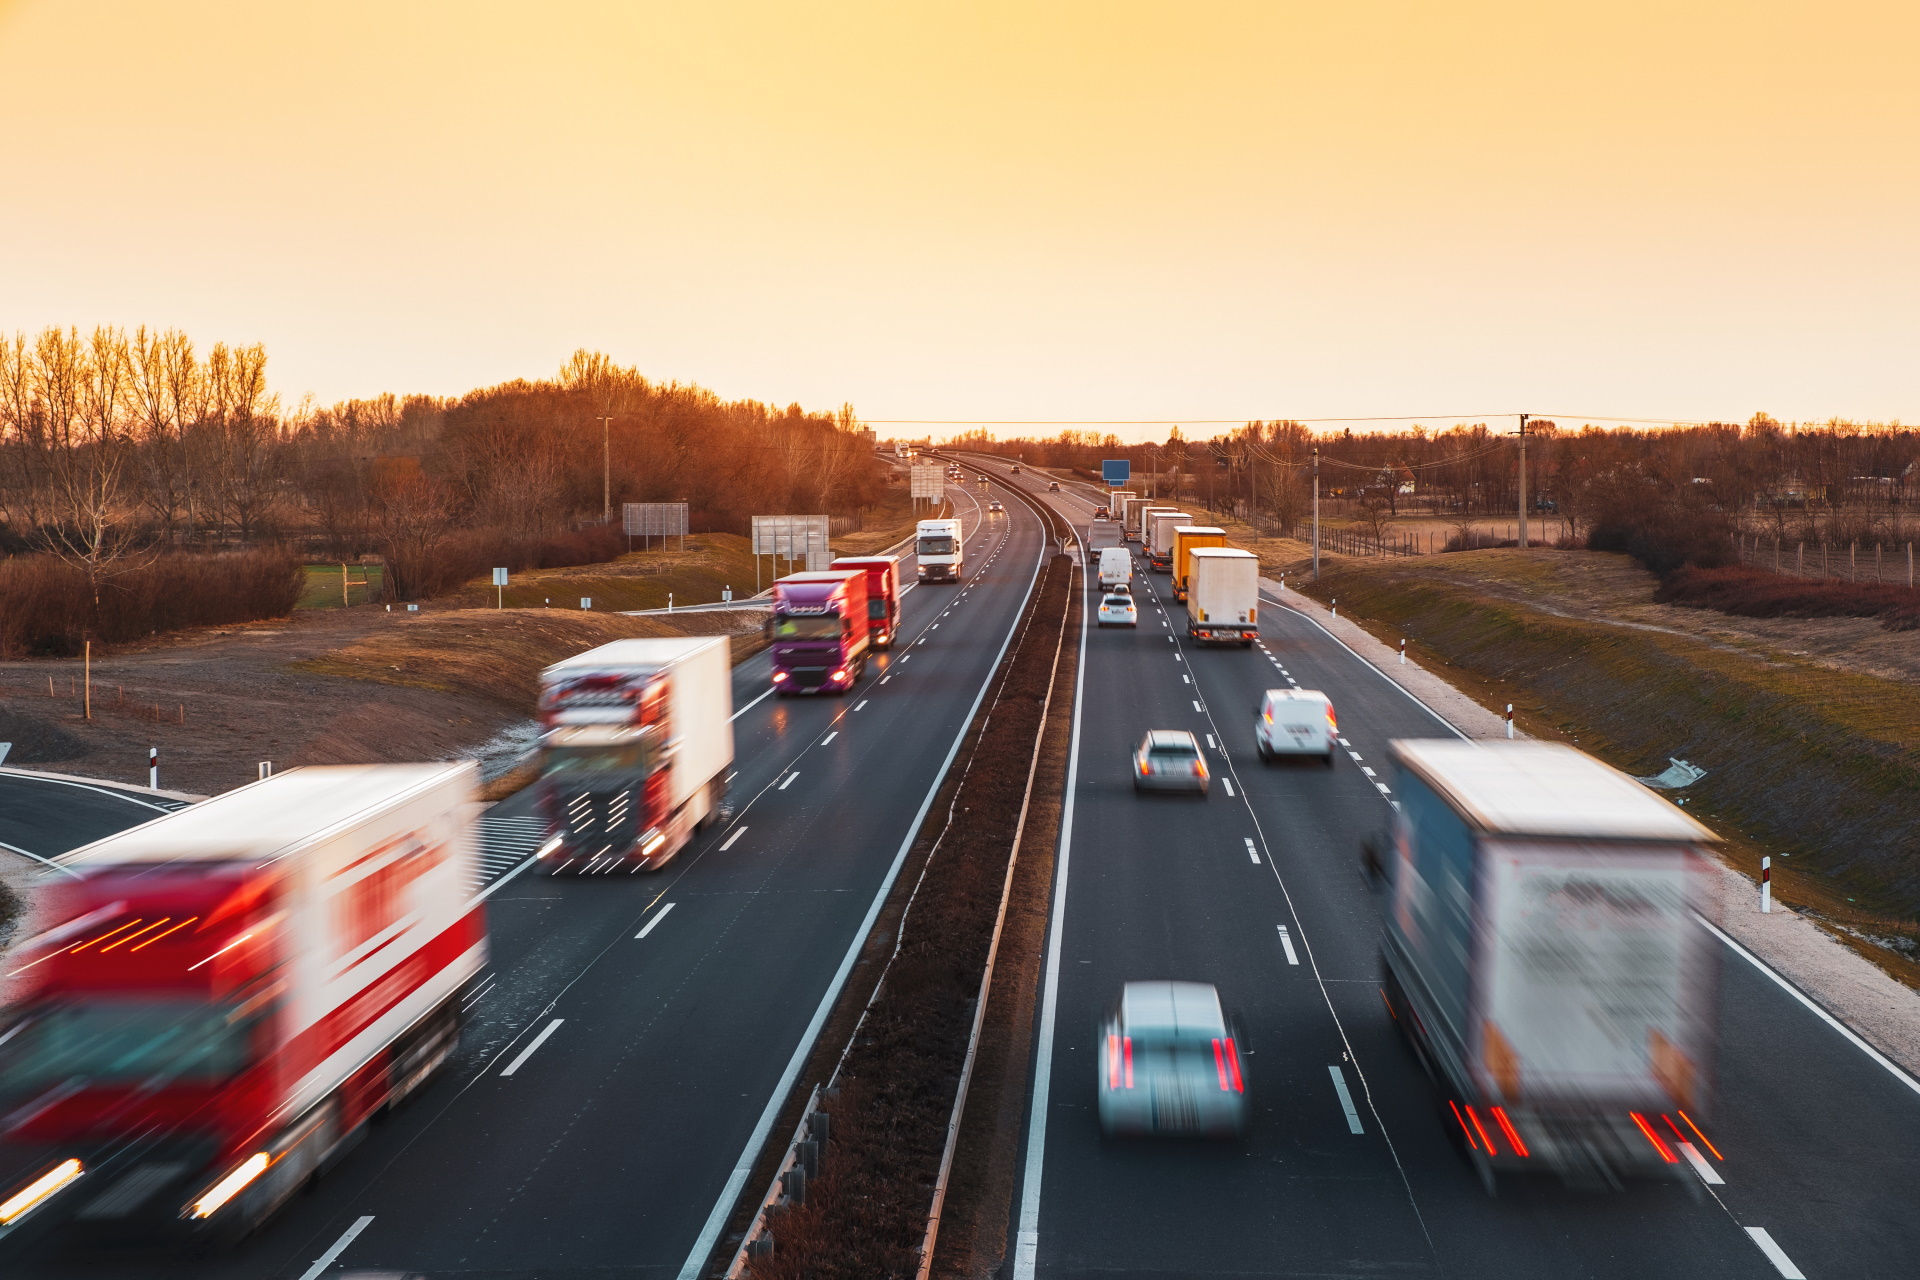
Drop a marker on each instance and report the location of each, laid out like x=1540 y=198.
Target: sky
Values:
x=1113 y=212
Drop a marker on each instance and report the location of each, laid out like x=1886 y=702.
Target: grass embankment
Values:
x=335 y=586
x=1803 y=760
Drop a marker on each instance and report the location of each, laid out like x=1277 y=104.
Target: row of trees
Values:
x=117 y=446
x=1834 y=479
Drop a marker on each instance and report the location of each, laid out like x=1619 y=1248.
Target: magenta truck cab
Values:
x=820 y=630
x=883 y=595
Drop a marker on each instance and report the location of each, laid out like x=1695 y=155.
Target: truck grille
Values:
x=808 y=675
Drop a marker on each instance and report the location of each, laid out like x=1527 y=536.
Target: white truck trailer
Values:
x=939 y=549
x=1223 y=596
x=638 y=744
x=1156 y=537
x=1544 y=956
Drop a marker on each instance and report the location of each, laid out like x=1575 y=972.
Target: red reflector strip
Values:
x=1126 y=1045
x=1654 y=1138
x=1481 y=1130
x=1703 y=1137
x=1220 y=1066
x=1389 y=1004
x=1113 y=1062
x=1233 y=1067
x=1463 y=1124
x=1506 y=1127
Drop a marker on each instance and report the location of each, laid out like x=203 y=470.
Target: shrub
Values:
x=48 y=607
x=1758 y=593
x=448 y=563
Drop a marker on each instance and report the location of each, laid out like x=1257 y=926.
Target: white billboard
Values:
x=927 y=480
x=800 y=539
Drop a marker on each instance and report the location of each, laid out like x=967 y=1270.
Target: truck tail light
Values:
x=778 y=676
x=1481 y=1130
x=1506 y=1127
x=1665 y=1154
x=231 y=1185
x=39 y=1191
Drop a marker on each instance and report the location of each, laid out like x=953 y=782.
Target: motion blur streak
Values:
x=1652 y=1137
x=37 y=1191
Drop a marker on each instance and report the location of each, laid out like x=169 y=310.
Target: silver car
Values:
x=1169 y=760
x=1170 y=1064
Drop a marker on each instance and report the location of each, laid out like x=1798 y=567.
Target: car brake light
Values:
x=1226 y=1064
x=1653 y=1137
x=1143 y=768
x=1126 y=1047
x=1199 y=768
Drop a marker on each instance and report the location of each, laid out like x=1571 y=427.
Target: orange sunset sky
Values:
x=995 y=211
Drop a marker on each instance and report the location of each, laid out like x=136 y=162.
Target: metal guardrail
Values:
x=789 y=1186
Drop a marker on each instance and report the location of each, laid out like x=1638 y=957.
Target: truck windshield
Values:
x=624 y=758
x=941 y=546
x=119 y=1041
x=819 y=626
x=876 y=607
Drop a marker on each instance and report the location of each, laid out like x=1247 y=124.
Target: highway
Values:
x=1821 y=1144
x=637 y=1032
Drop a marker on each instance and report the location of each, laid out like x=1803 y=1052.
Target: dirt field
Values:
x=324 y=687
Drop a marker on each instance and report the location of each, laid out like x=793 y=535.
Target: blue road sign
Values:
x=1116 y=471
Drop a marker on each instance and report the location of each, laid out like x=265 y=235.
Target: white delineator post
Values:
x=1403 y=652
x=153 y=767
x=1509 y=719
x=1766 y=886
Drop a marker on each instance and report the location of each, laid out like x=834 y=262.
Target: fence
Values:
x=1848 y=562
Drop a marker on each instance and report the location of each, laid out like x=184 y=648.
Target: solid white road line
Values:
x=789 y=782
x=1286 y=940
x=1708 y=1174
x=730 y=839
x=533 y=1044
x=326 y=1259
x=830 y=737
x=648 y=928
x=1775 y=1254
x=1346 y=1099
x=750 y=706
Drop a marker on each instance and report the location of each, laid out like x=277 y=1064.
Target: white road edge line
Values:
x=1818 y=1012
x=533 y=1044
x=1286 y=940
x=326 y=1259
x=1346 y=1099
x=1708 y=1174
x=648 y=927
x=1027 y=1238
x=1775 y=1254
x=716 y=1220
x=738 y=832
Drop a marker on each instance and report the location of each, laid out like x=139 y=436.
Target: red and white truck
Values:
x=637 y=748
x=883 y=595
x=232 y=991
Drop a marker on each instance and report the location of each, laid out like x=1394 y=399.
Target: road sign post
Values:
x=499 y=588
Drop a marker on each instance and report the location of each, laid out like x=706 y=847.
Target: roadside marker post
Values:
x=153 y=767
x=1766 y=886
x=1403 y=652
x=266 y=769
x=1509 y=719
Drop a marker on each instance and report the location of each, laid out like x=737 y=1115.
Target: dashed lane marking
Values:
x=657 y=918
x=732 y=838
x=1286 y=941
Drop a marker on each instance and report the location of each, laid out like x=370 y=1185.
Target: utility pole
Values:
x=606 y=468
x=1316 y=513
x=1523 y=481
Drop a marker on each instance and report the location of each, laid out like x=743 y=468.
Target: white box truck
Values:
x=1116 y=567
x=1545 y=956
x=1157 y=536
x=638 y=743
x=1134 y=525
x=1223 y=596
x=939 y=548
x=226 y=996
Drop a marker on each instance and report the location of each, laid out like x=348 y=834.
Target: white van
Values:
x=1296 y=722
x=1116 y=567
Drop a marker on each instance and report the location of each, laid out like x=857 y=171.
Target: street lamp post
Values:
x=1316 y=513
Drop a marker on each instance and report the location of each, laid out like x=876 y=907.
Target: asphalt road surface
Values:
x=649 y=1021
x=1820 y=1172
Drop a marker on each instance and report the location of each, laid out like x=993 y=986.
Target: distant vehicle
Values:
x=982 y=480
x=883 y=595
x=1116 y=566
x=994 y=508
x=1169 y=760
x=938 y=550
x=1170 y=1064
x=221 y=999
x=1157 y=537
x=1101 y=513
x=1223 y=596
x=1015 y=468
x=1053 y=486
x=638 y=744
x=1544 y=956
x=1296 y=722
x=1117 y=609
x=820 y=630
x=1185 y=539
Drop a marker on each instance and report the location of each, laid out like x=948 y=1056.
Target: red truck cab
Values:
x=883 y=595
x=821 y=631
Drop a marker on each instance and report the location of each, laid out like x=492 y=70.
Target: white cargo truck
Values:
x=1138 y=509
x=939 y=549
x=1157 y=536
x=1116 y=567
x=1223 y=596
x=1544 y=954
x=638 y=744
